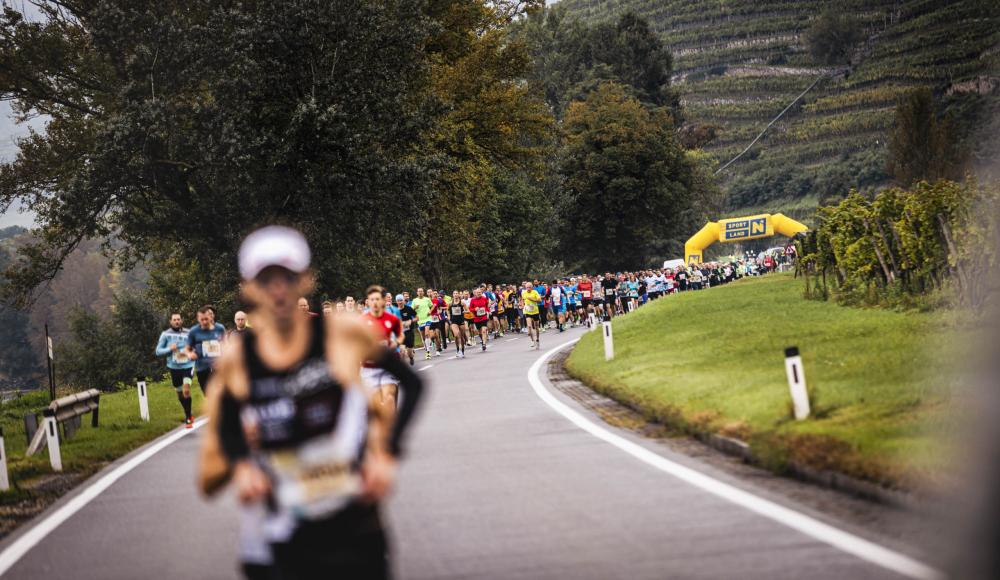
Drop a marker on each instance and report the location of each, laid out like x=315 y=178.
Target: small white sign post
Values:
x=797 y=383
x=52 y=435
x=631 y=306
x=592 y=319
x=143 y=401
x=609 y=345
x=4 y=480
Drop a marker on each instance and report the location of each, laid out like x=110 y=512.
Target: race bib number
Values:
x=181 y=357
x=609 y=292
x=586 y=293
x=312 y=482
x=435 y=318
x=456 y=311
x=211 y=348
x=480 y=311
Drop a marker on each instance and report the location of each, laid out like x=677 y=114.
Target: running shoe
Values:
x=427 y=355
x=438 y=353
x=484 y=348
x=189 y=422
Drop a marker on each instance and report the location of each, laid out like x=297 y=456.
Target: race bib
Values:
x=586 y=293
x=312 y=481
x=480 y=311
x=211 y=348
x=456 y=311
x=181 y=357
x=609 y=292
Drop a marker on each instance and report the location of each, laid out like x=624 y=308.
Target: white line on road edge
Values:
x=424 y=368
x=32 y=537
x=512 y=339
x=811 y=527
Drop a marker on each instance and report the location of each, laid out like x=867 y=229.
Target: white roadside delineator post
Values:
x=4 y=480
x=797 y=382
x=592 y=319
x=143 y=400
x=609 y=344
x=52 y=435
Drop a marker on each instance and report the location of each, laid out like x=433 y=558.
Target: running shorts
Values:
x=373 y=377
x=534 y=316
x=177 y=376
x=560 y=309
x=480 y=324
x=408 y=338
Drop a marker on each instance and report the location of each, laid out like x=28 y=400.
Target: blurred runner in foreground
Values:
x=291 y=428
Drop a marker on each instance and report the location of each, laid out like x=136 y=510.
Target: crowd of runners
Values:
x=307 y=410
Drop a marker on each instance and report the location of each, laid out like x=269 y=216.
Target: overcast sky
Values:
x=9 y=131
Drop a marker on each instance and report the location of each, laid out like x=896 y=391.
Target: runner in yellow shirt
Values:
x=530 y=300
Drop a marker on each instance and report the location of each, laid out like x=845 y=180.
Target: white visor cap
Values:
x=273 y=246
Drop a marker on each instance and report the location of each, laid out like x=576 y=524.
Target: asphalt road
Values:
x=497 y=485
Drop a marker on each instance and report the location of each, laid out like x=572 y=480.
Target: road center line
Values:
x=21 y=546
x=845 y=541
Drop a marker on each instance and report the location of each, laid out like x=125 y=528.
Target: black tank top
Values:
x=293 y=405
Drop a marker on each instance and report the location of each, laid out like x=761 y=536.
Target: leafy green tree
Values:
x=922 y=144
x=832 y=37
x=572 y=60
x=627 y=184
x=104 y=351
x=491 y=123
x=178 y=128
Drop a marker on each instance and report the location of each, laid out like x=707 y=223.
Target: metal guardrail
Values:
x=75 y=405
x=67 y=411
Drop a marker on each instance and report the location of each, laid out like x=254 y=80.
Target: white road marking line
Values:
x=845 y=541
x=36 y=534
x=512 y=339
x=424 y=368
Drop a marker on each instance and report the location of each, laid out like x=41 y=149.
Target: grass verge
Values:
x=713 y=361
x=33 y=483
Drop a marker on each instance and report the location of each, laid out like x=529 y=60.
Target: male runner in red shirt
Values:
x=586 y=289
x=480 y=308
x=389 y=332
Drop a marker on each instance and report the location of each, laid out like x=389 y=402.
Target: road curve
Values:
x=497 y=485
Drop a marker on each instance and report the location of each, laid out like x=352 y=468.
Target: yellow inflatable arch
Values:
x=739 y=229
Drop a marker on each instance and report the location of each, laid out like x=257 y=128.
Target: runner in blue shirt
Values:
x=173 y=345
x=204 y=344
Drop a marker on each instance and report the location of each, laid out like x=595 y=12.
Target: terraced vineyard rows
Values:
x=737 y=64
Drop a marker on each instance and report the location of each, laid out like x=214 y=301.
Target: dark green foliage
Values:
x=626 y=182
x=903 y=247
x=103 y=352
x=572 y=60
x=922 y=144
x=833 y=36
x=178 y=129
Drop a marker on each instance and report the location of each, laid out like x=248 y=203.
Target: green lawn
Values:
x=714 y=361
x=119 y=432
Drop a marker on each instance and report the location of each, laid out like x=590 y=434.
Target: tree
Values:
x=102 y=351
x=178 y=128
x=491 y=123
x=571 y=59
x=628 y=186
x=833 y=36
x=923 y=145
